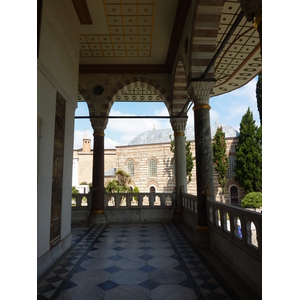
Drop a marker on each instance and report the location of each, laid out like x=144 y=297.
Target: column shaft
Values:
x=98 y=174
x=204 y=163
x=180 y=167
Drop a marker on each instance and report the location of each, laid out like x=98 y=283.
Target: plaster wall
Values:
x=57 y=66
x=59 y=47
x=46 y=95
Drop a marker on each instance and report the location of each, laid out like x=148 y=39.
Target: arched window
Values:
x=130 y=168
x=152 y=168
x=234 y=194
x=152 y=189
x=231 y=165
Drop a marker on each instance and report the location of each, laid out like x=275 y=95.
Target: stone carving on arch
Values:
x=87 y=99
x=152 y=157
x=130 y=82
x=152 y=183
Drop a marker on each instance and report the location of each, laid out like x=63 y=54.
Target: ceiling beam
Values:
x=82 y=11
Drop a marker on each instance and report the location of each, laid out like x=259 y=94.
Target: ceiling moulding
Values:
x=129 y=69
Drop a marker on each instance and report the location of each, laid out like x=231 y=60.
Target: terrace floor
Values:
x=139 y=261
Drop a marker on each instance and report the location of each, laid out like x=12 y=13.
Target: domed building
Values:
x=151 y=165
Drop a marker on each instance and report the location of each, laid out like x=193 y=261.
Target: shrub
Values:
x=74 y=190
x=252 y=200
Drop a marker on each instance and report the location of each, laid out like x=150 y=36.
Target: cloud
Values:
x=78 y=137
x=124 y=130
x=110 y=144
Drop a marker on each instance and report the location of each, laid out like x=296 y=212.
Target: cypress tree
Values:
x=248 y=157
x=220 y=158
x=259 y=96
x=188 y=156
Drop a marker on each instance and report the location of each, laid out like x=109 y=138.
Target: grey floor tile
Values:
x=172 y=292
x=129 y=277
x=128 y=292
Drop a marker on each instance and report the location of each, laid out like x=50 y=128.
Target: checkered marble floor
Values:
x=132 y=261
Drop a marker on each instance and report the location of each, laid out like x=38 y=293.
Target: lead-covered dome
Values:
x=161 y=136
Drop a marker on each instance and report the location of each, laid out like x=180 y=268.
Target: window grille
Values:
x=152 y=168
x=231 y=165
x=130 y=168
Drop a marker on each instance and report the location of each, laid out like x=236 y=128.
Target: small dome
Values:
x=160 y=136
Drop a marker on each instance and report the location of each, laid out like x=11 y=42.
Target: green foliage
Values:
x=259 y=96
x=189 y=160
x=136 y=190
x=85 y=183
x=188 y=156
x=120 y=184
x=74 y=190
x=220 y=158
x=248 y=157
x=252 y=200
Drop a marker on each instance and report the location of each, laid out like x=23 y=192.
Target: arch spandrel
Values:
x=152 y=90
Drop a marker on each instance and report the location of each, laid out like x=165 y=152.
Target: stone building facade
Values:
x=150 y=162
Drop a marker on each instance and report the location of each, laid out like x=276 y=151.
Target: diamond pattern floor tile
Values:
x=130 y=261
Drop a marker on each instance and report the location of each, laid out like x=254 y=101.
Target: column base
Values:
x=97 y=217
x=178 y=216
x=201 y=237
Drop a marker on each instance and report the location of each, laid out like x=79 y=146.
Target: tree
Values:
x=188 y=156
x=220 y=158
x=259 y=96
x=120 y=184
x=252 y=200
x=248 y=157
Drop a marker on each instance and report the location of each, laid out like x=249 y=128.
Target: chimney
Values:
x=86 y=143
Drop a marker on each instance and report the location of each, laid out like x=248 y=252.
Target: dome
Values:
x=160 y=136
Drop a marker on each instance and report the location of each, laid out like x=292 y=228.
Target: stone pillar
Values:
x=97 y=215
x=253 y=10
x=178 y=126
x=200 y=93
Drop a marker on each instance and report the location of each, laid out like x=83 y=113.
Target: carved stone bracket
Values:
x=200 y=91
x=178 y=124
x=252 y=8
x=99 y=125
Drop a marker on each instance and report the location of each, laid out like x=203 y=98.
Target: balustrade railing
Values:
x=239 y=225
x=139 y=200
x=81 y=201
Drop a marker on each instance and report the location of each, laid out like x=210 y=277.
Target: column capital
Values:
x=252 y=9
x=178 y=125
x=200 y=92
x=99 y=125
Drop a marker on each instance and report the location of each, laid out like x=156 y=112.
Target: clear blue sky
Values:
x=226 y=109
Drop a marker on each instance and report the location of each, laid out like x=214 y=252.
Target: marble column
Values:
x=97 y=215
x=179 y=126
x=200 y=93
